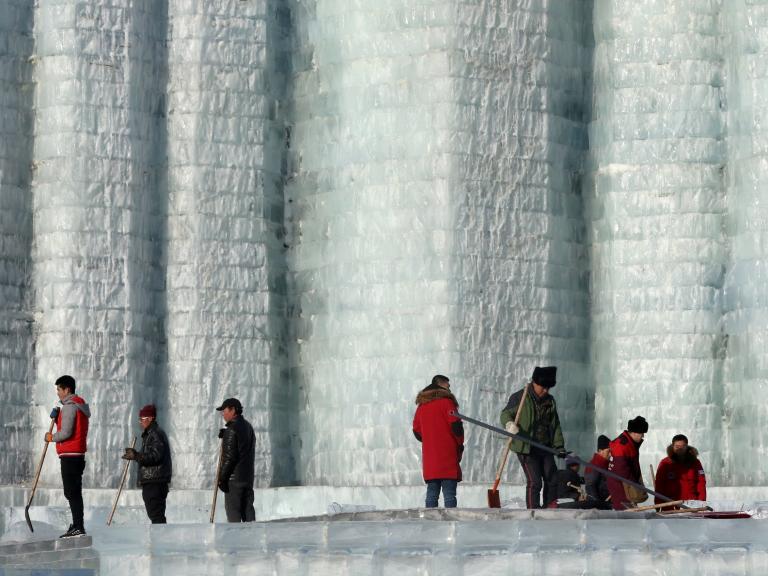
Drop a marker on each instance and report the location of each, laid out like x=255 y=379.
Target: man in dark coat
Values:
x=238 y=460
x=596 y=482
x=570 y=493
x=680 y=475
x=539 y=421
x=155 y=466
x=442 y=441
x=625 y=461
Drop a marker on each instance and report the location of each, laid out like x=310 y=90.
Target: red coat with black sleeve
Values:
x=681 y=477
x=441 y=434
x=625 y=461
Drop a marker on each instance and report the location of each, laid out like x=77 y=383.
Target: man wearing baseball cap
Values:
x=237 y=464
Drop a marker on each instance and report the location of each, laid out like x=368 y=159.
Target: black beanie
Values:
x=603 y=442
x=638 y=424
x=544 y=376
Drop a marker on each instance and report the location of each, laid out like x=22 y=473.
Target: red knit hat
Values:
x=148 y=410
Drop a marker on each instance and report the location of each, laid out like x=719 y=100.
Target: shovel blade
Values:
x=494 y=500
x=27 y=518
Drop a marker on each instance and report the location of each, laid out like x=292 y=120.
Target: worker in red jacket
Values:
x=71 y=445
x=625 y=461
x=680 y=475
x=442 y=441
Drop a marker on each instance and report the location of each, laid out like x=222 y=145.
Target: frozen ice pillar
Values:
x=436 y=220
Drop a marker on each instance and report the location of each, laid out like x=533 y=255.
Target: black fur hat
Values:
x=545 y=376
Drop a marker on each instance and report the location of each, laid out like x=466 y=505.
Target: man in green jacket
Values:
x=538 y=421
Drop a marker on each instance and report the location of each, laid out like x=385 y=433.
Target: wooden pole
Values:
x=120 y=488
x=37 y=478
x=216 y=483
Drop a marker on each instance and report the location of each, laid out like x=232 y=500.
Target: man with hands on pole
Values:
x=540 y=422
x=155 y=465
x=237 y=464
x=71 y=444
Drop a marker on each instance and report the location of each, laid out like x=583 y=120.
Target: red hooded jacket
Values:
x=625 y=461
x=441 y=435
x=681 y=477
x=72 y=427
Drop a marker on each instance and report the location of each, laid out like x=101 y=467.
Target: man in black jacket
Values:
x=237 y=463
x=155 y=467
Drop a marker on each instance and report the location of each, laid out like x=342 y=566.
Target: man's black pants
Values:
x=238 y=503
x=72 y=468
x=540 y=470
x=154 y=495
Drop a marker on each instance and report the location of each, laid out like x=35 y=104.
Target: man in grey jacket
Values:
x=237 y=465
x=71 y=444
x=155 y=465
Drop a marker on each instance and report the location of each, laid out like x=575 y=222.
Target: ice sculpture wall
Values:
x=15 y=236
x=657 y=199
x=315 y=205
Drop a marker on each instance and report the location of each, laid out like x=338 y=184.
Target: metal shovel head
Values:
x=494 y=500
x=26 y=517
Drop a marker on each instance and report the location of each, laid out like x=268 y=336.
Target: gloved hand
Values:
x=512 y=428
x=130 y=454
x=224 y=486
x=48 y=437
x=55 y=413
x=221 y=432
x=563 y=453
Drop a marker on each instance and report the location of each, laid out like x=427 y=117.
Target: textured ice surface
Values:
x=657 y=201
x=317 y=205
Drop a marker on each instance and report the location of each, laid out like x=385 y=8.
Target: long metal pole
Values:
x=555 y=452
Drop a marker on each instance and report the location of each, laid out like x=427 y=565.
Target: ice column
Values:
x=519 y=260
x=15 y=236
x=746 y=305
x=225 y=264
x=436 y=222
x=656 y=202
x=97 y=218
x=371 y=231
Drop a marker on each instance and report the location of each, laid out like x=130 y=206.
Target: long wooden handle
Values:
x=507 y=448
x=655 y=506
x=120 y=488
x=40 y=465
x=216 y=483
x=653 y=476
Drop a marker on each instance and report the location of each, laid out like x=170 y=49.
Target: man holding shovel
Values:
x=539 y=421
x=625 y=461
x=71 y=439
x=155 y=465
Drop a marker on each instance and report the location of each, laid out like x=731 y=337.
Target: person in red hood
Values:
x=625 y=461
x=596 y=482
x=71 y=439
x=680 y=475
x=442 y=441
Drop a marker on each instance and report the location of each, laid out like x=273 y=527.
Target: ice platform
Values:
x=49 y=556
x=400 y=540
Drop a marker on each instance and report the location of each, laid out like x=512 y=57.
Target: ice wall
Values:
x=97 y=213
x=437 y=222
x=15 y=236
x=519 y=260
x=656 y=211
x=316 y=205
x=746 y=308
x=225 y=254
x=370 y=226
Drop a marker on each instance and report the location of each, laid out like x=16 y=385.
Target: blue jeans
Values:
x=449 y=492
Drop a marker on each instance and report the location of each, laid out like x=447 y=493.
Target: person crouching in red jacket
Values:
x=680 y=475
x=625 y=461
x=442 y=440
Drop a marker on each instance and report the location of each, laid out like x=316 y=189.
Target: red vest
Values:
x=75 y=445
